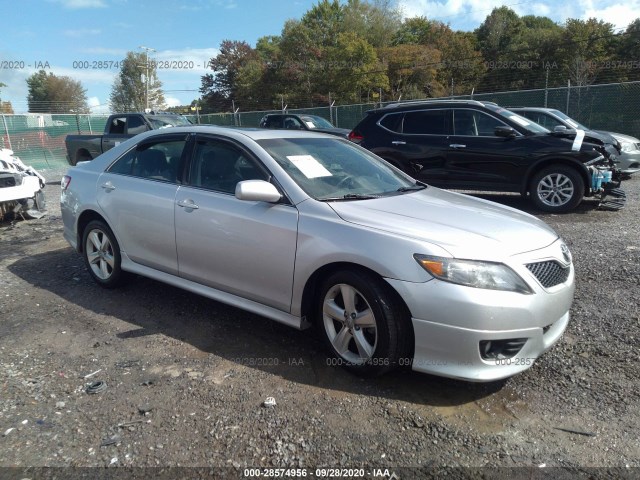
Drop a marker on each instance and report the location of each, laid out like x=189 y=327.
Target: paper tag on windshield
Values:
x=310 y=124
x=577 y=142
x=309 y=166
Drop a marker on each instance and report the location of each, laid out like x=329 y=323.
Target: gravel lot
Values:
x=186 y=378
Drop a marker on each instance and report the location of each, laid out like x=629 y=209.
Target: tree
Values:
x=353 y=70
x=461 y=65
x=629 y=50
x=131 y=88
x=498 y=32
x=587 y=46
x=375 y=21
x=5 y=107
x=226 y=67
x=413 y=31
x=325 y=21
x=49 y=93
x=412 y=71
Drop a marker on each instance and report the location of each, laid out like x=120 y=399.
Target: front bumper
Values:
x=27 y=189
x=451 y=323
x=454 y=352
x=629 y=162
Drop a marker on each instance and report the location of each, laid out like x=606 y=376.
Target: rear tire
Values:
x=557 y=189
x=362 y=323
x=102 y=255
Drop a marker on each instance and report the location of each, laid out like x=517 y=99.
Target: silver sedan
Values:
x=306 y=229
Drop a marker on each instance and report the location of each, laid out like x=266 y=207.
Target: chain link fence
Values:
x=38 y=139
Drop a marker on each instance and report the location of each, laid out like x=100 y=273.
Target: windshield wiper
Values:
x=412 y=188
x=349 y=196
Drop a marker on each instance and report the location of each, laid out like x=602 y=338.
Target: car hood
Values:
x=465 y=226
x=626 y=138
x=341 y=132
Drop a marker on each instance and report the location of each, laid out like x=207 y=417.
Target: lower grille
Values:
x=549 y=273
x=501 y=349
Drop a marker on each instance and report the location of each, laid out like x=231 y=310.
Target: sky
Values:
x=83 y=39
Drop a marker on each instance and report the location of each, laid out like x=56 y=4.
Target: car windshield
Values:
x=313 y=121
x=332 y=169
x=569 y=120
x=529 y=125
x=165 y=121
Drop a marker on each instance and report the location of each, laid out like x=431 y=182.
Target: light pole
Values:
x=146 y=77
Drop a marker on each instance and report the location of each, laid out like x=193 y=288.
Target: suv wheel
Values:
x=557 y=189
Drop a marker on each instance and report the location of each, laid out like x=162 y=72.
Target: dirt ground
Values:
x=186 y=379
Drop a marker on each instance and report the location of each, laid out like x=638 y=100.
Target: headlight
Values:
x=489 y=275
x=628 y=147
x=625 y=145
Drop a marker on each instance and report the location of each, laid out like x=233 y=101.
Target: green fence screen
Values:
x=38 y=139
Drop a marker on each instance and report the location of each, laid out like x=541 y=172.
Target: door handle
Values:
x=398 y=142
x=188 y=203
x=457 y=145
x=108 y=186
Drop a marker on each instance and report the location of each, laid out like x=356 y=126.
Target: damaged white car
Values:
x=21 y=188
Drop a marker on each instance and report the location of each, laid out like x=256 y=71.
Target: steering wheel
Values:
x=346 y=180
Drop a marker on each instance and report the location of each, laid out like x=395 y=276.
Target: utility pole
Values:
x=546 y=87
x=146 y=76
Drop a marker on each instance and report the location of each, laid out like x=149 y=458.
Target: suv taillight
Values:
x=65 y=182
x=355 y=136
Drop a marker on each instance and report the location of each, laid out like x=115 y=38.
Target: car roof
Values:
x=239 y=132
x=533 y=109
x=417 y=104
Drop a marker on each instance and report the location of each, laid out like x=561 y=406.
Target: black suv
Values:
x=291 y=121
x=466 y=144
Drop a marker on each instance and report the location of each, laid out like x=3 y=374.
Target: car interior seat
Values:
x=151 y=163
x=218 y=170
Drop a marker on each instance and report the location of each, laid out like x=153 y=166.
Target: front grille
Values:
x=549 y=273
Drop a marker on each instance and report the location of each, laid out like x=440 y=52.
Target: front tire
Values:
x=557 y=189
x=102 y=255
x=362 y=322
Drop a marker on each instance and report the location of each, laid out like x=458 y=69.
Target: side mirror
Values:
x=257 y=191
x=505 y=132
x=559 y=128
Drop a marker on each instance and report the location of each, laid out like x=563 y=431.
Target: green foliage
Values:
x=132 y=91
x=587 y=45
x=353 y=50
x=5 y=107
x=49 y=93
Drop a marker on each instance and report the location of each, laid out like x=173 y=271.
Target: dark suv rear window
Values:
x=425 y=122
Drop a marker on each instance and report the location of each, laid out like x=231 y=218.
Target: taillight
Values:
x=65 y=182
x=355 y=136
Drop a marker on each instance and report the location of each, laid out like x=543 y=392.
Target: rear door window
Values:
x=154 y=161
x=425 y=122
